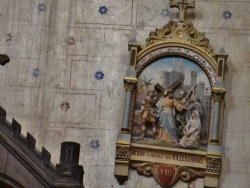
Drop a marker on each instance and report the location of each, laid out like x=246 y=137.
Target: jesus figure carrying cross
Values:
x=166 y=108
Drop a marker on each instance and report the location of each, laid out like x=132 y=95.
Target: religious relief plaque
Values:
x=173 y=111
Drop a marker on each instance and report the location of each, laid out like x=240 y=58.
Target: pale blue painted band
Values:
x=216 y=119
x=127 y=109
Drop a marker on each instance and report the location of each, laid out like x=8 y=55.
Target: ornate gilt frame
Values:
x=180 y=39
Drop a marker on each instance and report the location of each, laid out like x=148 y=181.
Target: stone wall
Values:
x=68 y=59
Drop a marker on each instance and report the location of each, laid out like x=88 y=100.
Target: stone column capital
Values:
x=129 y=83
x=218 y=94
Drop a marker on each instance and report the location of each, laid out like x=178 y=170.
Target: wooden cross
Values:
x=159 y=89
x=182 y=5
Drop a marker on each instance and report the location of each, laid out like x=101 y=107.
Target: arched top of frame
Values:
x=175 y=50
x=178 y=39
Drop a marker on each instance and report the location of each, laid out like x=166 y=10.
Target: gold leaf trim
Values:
x=176 y=31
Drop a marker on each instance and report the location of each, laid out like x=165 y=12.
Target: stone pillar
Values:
x=129 y=83
x=218 y=97
x=124 y=137
x=68 y=171
x=70 y=152
x=213 y=165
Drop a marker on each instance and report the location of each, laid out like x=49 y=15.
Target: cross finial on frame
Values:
x=182 y=5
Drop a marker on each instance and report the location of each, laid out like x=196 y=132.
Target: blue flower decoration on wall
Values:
x=133 y=40
x=36 y=72
x=99 y=75
x=222 y=50
x=95 y=144
x=227 y=14
x=42 y=7
x=103 y=10
x=165 y=12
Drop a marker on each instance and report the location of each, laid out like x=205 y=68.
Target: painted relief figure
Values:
x=173 y=110
x=148 y=113
x=166 y=108
x=195 y=105
x=192 y=131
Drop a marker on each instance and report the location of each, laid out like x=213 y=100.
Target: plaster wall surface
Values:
x=65 y=78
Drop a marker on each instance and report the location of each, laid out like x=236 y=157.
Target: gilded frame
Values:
x=176 y=39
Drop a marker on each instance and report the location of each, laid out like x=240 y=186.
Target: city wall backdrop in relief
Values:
x=172 y=105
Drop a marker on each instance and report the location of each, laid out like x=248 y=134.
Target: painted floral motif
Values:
x=99 y=75
x=103 y=10
x=133 y=40
x=36 y=72
x=165 y=12
x=65 y=106
x=227 y=14
x=71 y=41
x=9 y=37
x=95 y=144
x=42 y=7
x=222 y=50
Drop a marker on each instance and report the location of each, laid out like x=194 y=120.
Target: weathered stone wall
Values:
x=68 y=60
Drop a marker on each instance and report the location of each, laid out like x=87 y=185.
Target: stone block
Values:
x=28 y=39
x=51 y=140
x=116 y=43
x=214 y=15
x=58 y=73
x=5 y=36
x=3 y=157
x=96 y=75
x=73 y=108
x=232 y=40
x=60 y=40
x=18 y=11
x=20 y=104
x=237 y=152
x=152 y=15
x=107 y=107
x=83 y=75
x=105 y=179
x=88 y=41
x=118 y=13
x=97 y=146
x=25 y=72
x=18 y=172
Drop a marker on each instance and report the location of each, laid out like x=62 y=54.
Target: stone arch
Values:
x=8 y=182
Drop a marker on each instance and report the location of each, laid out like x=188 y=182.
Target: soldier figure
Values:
x=182 y=97
x=148 y=113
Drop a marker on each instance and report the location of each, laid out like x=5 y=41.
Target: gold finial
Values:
x=182 y=5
